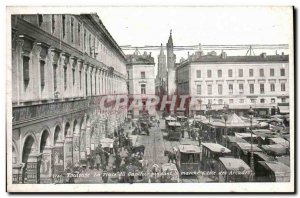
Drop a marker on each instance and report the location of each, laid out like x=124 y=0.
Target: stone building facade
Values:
x=62 y=67
x=237 y=81
x=141 y=85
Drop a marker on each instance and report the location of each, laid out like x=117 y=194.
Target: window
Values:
x=230 y=73
x=272 y=72
x=55 y=76
x=65 y=77
x=26 y=71
x=73 y=75
x=143 y=89
x=272 y=100
x=220 y=73
x=198 y=73
x=282 y=86
x=262 y=100
x=261 y=73
x=251 y=88
x=241 y=73
x=84 y=39
x=230 y=87
x=91 y=81
x=42 y=74
x=198 y=89
x=209 y=89
x=72 y=30
x=64 y=25
x=53 y=23
x=79 y=31
x=230 y=101
x=40 y=18
x=242 y=101
x=208 y=73
x=283 y=100
x=220 y=89
x=241 y=88
x=252 y=100
x=262 y=88
x=272 y=87
x=143 y=75
x=282 y=72
x=220 y=101
x=80 y=79
x=251 y=72
x=86 y=85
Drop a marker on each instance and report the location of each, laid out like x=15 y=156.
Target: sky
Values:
x=140 y=26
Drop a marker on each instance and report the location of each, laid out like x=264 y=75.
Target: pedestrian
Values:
x=182 y=133
x=199 y=140
x=158 y=123
x=118 y=162
x=98 y=161
x=111 y=147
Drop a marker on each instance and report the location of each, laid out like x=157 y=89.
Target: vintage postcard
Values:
x=150 y=99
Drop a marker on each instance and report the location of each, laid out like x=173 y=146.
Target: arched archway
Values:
x=76 y=143
x=57 y=135
x=30 y=170
x=82 y=140
x=45 y=150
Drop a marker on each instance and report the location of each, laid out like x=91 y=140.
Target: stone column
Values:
x=54 y=60
x=68 y=147
x=46 y=166
x=65 y=82
x=74 y=67
x=83 y=136
x=80 y=89
x=33 y=169
x=58 y=162
x=86 y=79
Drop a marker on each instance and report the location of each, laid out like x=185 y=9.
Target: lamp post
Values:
x=251 y=113
x=225 y=117
x=208 y=107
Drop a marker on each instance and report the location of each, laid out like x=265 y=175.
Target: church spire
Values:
x=161 y=49
x=170 y=41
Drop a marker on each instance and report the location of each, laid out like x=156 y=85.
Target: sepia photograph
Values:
x=150 y=99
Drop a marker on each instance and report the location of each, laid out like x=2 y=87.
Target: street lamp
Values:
x=208 y=107
x=225 y=116
x=251 y=113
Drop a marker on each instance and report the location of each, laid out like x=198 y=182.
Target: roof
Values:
x=234 y=164
x=244 y=135
x=279 y=140
x=277 y=149
x=212 y=58
x=174 y=124
x=234 y=121
x=284 y=159
x=188 y=148
x=235 y=139
x=170 y=118
x=276 y=167
x=217 y=148
x=264 y=156
x=247 y=146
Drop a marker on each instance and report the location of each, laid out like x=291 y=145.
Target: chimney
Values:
x=188 y=54
x=223 y=55
x=282 y=53
x=264 y=55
